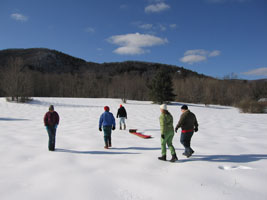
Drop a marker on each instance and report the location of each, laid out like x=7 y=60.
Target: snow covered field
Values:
x=229 y=162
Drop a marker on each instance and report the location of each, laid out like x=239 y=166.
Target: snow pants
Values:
x=107 y=135
x=167 y=140
x=51 y=130
x=185 y=140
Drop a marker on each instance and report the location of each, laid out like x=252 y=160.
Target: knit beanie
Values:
x=184 y=107
x=163 y=107
x=51 y=108
x=106 y=108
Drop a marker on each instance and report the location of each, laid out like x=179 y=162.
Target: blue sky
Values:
x=212 y=37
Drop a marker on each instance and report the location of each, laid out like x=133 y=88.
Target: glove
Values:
x=176 y=129
x=162 y=136
x=56 y=126
x=100 y=129
x=113 y=128
x=196 y=129
x=46 y=128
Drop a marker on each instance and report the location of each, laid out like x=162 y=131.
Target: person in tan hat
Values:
x=167 y=133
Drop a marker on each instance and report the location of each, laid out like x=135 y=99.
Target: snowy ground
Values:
x=229 y=162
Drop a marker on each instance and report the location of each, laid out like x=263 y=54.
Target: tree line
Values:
x=162 y=85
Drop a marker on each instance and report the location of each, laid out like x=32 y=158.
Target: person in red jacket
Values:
x=51 y=120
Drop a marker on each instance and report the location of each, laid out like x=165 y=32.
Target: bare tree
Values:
x=17 y=83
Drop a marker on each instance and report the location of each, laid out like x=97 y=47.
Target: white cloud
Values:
x=134 y=43
x=173 y=26
x=214 y=53
x=196 y=52
x=193 y=59
x=19 y=17
x=162 y=27
x=198 y=55
x=154 y=27
x=90 y=30
x=146 y=26
x=158 y=7
x=257 y=72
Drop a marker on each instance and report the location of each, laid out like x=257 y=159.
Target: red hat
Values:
x=106 y=108
x=120 y=106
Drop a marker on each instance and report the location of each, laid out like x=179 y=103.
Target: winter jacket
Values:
x=166 y=123
x=51 y=118
x=122 y=112
x=107 y=119
x=188 y=122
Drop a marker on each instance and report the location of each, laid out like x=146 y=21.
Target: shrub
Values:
x=19 y=99
x=251 y=106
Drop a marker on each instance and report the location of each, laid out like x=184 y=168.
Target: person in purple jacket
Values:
x=107 y=121
x=51 y=120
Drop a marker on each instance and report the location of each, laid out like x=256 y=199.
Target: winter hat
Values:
x=184 y=107
x=163 y=107
x=51 y=108
x=120 y=106
x=106 y=108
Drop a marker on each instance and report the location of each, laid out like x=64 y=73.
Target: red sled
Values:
x=133 y=131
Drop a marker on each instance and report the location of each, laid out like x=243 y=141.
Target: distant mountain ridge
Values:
x=40 y=72
x=52 y=61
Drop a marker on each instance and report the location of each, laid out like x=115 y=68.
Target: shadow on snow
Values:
x=200 y=106
x=91 y=152
x=12 y=119
x=138 y=148
x=44 y=103
x=243 y=158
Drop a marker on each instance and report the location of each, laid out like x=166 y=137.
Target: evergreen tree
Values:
x=161 y=88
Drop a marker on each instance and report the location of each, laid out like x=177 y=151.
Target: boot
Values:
x=120 y=127
x=191 y=151
x=106 y=145
x=162 y=158
x=124 y=126
x=174 y=158
x=109 y=143
x=188 y=153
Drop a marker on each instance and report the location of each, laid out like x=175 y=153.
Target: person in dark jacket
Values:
x=51 y=121
x=189 y=125
x=107 y=121
x=122 y=114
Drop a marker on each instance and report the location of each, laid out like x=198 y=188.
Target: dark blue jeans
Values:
x=107 y=135
x=185 y=139
x=51 y=130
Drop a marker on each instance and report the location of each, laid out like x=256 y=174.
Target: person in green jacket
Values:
x=167 y=133
x=189 y=125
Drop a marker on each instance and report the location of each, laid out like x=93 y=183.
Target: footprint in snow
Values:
x=233 y=167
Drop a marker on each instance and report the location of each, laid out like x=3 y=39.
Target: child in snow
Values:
x=122 y=114
x=167 y=133
x=51 y=120
x=189 y=125
x=107 y=121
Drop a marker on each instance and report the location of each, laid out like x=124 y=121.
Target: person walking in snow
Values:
x=167 y=133
x=51 y=120
x=107 y=121
x=189 y=125
x=122 y=114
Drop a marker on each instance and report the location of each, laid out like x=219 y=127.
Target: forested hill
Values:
x=50 y=61
x=42 y=72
